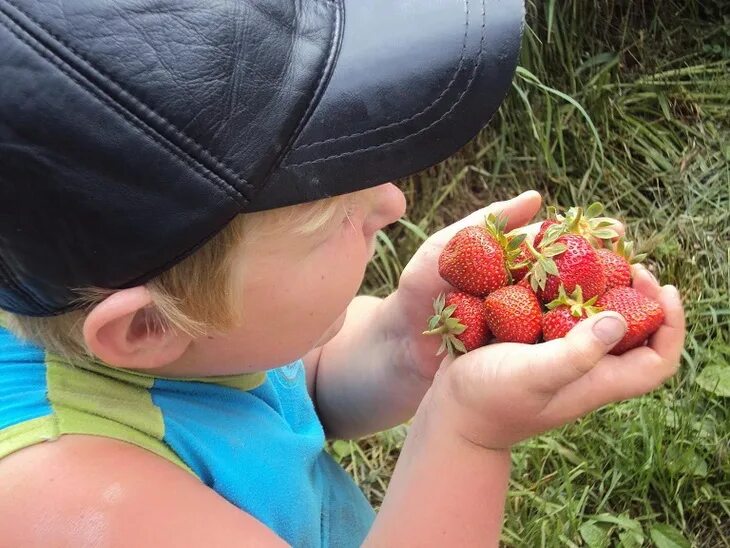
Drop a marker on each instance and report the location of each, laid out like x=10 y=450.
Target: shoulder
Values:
x=87 y=490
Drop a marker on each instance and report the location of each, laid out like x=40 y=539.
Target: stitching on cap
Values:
x=333 y=46
x=423 y=130
x=149 y=111
x=320 y=83
x=415 y=116
x=140 y=125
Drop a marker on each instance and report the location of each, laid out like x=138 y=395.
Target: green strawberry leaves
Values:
x=587 y=223
x=575 y=303
x=544 y=264
x=442 y=323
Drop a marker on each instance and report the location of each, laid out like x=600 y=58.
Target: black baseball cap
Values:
x=132 y=132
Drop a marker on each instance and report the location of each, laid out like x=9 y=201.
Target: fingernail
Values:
x=651 y=275
x=609 y=330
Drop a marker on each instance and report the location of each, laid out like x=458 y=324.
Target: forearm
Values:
x=360 y=387
x=445 y=490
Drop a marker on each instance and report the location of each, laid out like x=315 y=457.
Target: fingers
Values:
x=668 y=341
x=644 y=282
x=632 y=374
x=532 y=229
x=518 y=211
x=557 y=363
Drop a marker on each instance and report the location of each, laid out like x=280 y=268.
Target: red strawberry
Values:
x=541 y=233
x=513 y=315
x=587 y=223
x=616 y=269
x=570 y=261
x=474 y=262
x=520 y=266
x=461 y=321
x=597 y=230
x=617 y=263
x=525 y=282
x=643 y=315
x=565 y=312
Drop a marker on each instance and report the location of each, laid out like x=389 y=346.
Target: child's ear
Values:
x=124 y=330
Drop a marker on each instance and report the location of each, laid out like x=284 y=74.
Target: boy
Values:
x=183 y=250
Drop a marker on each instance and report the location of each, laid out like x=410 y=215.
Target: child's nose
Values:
x=389 y=205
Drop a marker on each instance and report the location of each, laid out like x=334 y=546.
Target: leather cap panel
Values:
x=230 y=79
x=132 y=131
x=411 y=86
x=67 y=206
x=125 y=148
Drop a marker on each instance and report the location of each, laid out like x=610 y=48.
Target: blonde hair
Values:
x=194 y=296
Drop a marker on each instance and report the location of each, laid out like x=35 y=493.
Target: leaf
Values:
x=516 y=241
x=342 y=448
x=626 y=523
x=538 y=276
x=685 y=461
x=715 y=379
x=594 y=210
x=551 y=267
x=449 y=310
x=459 y=346
x=438 y=303
x=605 y=233
x=555 y=249
x=603 y=224
x=628 y=539
x=594 y=535
x=414 y=228
x=666 y=536
x=458 y=329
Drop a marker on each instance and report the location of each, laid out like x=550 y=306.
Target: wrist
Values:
x=444 y=491
x=449 y=400
x=442 y=419
x=397 y=336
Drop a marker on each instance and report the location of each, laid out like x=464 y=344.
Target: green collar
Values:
x=245 y=382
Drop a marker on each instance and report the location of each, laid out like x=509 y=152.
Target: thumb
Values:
x=561 y=361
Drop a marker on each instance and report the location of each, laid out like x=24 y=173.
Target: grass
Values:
x=625 y=102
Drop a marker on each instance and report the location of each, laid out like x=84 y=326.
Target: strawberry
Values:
x=520 y=266
x=541 y=233
x=570 y=261
x=525 y=282
x=597 y=230
x=513 y=314
x=474 y=260
x=643 y=315
x=460 y=319
x=617 y=263
x=565 y=312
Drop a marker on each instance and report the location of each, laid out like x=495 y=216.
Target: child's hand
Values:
x=410 y=306
x=500 y=394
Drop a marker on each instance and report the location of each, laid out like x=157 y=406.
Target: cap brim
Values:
x=410 y=84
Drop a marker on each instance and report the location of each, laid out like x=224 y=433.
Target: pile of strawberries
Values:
x=512 y=290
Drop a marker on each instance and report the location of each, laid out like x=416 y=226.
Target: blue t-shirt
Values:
x=254 y=439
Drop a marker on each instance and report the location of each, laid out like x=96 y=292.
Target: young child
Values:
x=156 y=390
